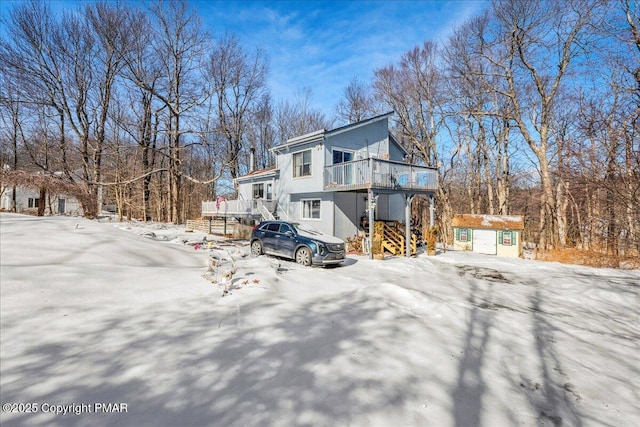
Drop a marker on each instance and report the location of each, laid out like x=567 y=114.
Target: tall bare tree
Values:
x=239 y=81
x=534 y=45
x=112 y=27
x=414 y=89
x=295 y=118
x=357 y=103
x=180 y=43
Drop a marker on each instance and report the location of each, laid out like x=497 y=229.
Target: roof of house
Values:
x=503 y=222
x=320 y=134
x=259 y=173
x=354 y=125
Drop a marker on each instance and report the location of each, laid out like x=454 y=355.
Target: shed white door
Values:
x=484 y=241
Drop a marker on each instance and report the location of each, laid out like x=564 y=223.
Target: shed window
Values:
x=311 y=209
x=302 y=164
x=506 y=238
x=463 y=234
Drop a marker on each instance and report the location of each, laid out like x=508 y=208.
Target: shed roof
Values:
x=501 y=222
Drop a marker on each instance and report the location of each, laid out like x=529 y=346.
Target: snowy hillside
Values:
x=97 y=312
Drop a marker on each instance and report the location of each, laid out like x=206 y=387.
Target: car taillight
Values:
x=255 y=227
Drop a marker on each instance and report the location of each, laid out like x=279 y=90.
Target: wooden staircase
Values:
x=392 y=238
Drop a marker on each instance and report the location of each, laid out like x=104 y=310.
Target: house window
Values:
x=311 y=209
x=33 y=203
x=507 y=238
x=340 y=156
x=463 y=234
x=302 y=164
x=258 y=191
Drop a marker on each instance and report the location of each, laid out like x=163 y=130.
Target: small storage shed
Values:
x=488 y=234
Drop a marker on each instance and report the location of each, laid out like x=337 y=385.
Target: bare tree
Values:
x=479 y=107
x=414 y=89
x=297 y=118
x=261 y=133
x=31 y=61
x=11 y=117
x=112 y=25
x=357 y=102
x=535 y=44
x=239 y=81
x=180 y=44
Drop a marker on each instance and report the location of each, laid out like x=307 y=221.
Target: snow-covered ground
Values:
x=97 y=312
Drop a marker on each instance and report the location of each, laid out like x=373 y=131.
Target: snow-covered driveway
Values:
x=96 y=313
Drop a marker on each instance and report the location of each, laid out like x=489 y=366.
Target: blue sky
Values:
x=323 y=45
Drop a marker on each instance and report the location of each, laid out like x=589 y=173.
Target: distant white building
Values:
x=28 y=201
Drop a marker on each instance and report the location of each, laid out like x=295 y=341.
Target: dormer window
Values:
x=302 y=164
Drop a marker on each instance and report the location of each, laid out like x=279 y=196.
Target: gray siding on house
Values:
x=396 y=153
x=314 y=182
x=325 y=222
x=349 y=208
x=397 y=207
x=369 y=140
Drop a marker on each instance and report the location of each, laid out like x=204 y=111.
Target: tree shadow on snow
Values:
x=206 y=363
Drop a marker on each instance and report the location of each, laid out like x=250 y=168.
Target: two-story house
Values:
x=333 y=180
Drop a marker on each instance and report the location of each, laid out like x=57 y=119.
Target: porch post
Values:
x=407 y=227
x=372 y=206
x=432 y=211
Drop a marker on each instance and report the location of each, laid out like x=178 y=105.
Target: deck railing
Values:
x=379 y=174
x=239 y=208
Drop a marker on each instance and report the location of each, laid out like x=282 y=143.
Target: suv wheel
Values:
x=256 y=248
x=303 y=256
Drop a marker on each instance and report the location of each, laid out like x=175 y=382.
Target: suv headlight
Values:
x=320 y=248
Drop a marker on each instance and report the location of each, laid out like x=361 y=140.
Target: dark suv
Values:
x=298 y=242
